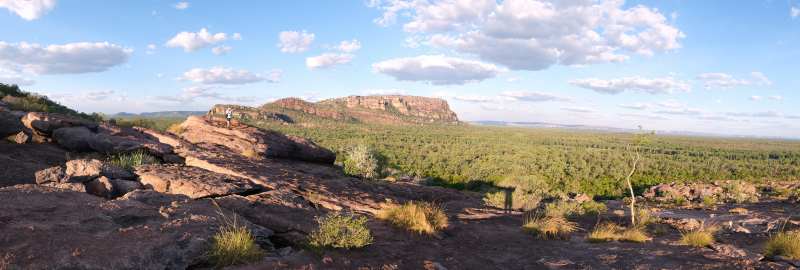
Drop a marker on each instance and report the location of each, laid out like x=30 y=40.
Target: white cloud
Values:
x=70 y=58
x=532 y=96
x=98 y=95
x=720 y=80
x=437 y=69
x=236 y=36
x=776 y=98
x=181 y=5
x=349 y=46
x=681 y=111
x=794 y=12
x=28 y=9
x=756 y=98
x=151 y=49
x=666 y=85
x=295 y=42
x=328 y=60
x=223 y=75
x=220 y=50
x=636 y=106
x=536 y=34
x=13 y=77
x=644 y=116
x=578 y=109
x=192 y=93
x=760 y=78
x=191 y=41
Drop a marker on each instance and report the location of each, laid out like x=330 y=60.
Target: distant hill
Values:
x=392 y=109
x=164 y=114
x=20 y=100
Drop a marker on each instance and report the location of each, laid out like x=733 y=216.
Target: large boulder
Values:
x=83 y=170
x=45 y=123
x=50 y=228
x=192 y=181
x=10 y=124
x=50 y=175
x=77 y=139
x=250 y=141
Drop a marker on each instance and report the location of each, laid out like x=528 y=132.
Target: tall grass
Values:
x=233 y=243
x=549 y=227
x=702 y=237
x=785 y=244
x=420 y=217
x=340 y=231
x=129 y=161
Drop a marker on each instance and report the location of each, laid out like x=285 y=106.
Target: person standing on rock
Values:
x=228 y=117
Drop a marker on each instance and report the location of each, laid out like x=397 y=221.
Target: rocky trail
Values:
x=64 y=206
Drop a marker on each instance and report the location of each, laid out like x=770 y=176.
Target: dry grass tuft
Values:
x=550 y=227
x=420 y=217
x=233 y=244
x=605 y=232
x=250 y=153
x=635 y=235
x=785 y=244
x=176 y=129
x=738 y=211
x=338 y=230
x=702 y=237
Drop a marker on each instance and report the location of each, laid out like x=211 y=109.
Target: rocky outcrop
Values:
x=254 y=142
x=45 y=123
x=729 y=191
x=49 y=228
x=192 y=181
x=309 y=108
x=425 y=108
x=10 y=124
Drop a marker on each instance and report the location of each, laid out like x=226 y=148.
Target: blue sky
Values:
x=702 y=66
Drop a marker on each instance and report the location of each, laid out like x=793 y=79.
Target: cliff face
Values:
x=423 y=108
x=392 y=109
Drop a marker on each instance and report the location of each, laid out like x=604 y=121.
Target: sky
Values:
x=678 y=65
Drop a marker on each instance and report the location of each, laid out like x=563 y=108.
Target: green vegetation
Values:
x=25 y=101
x=129 y=161
x=234 y=244
x=525 y=193
x=363 y=161
x=338 y=230
x=709 y=202
x=572 y=209
x=604 y=232
x=785 y=244
x=160 y=124
x=740 y=192
x=560 y=160
x=420 y=217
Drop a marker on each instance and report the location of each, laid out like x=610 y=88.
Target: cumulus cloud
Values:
x=295 y=42
x=151 y=49
x=181 y=5
x=220 y=50
x=794 y=12
x=350 y=46
x=28 y=9
x=192 y=41
x=536 y=34
x=760 y=78
x=13 y=77
x=719 y=80
x=223 y=75
x=328 y=60
x=437 y=69
x=70 y=58
x=756 y=98
x=666 y=85
x=776 y=98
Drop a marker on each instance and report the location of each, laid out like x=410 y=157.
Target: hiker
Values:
x=228 y=117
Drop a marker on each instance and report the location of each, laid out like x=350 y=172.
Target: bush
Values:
x=234 y=244
x=604 y=232
x=129 y=161
x=702 y=237
x=420 y=217
x=740 y=192
x=645 y=217
x=176 y=129
x=364 y=161
x=338 y=230
x=785 y=244
x=594 y=208
x=571 y=209
x=709 y=202
x=250 y=153
x=550 y=227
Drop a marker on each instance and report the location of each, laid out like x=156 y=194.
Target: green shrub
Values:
x=363 y=161
x=785 y=244
x=550 y=227
x=645 y=217
x=420 y=217
x=234 y=244
x=130 y=160
x=527 y=192
x=740 y=192
x=570 y=209
x=338 y=230
x=594 y=208
x=709 y=201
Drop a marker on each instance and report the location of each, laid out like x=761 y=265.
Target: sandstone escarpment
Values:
x=425 y=108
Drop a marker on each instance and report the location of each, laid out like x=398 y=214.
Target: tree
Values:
x=640 y=139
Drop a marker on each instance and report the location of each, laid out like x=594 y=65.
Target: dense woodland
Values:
x=569 y=160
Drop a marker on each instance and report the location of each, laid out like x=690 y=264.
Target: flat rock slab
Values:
x=50 y=228
x=192 y=181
